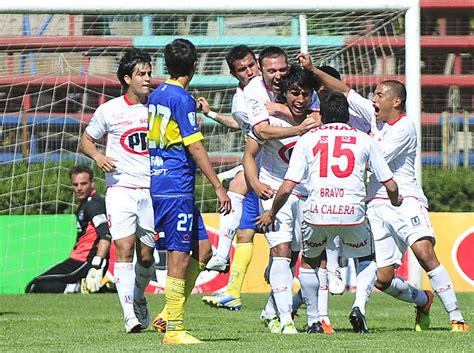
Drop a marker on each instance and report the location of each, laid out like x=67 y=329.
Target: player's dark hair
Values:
x=238 y=53
x=398 y=90
x=330 y=71
x=131 y=58
x=271 y=52
x=81 y=168
x=180 y=57
x=298 y=77
x=335 y=108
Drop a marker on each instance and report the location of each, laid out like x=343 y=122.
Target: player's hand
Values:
x=308 y=124
x=105 y=163
x=398 y=202
x=95 y=275
x=305 y=60
x=203 y=105
x=225 y=205
x=265 y=220
x=264 y=191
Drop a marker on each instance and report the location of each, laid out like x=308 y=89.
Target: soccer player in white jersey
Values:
x=127 y=173
x=395 y=229
x=331 y=163
x=297 y=87
x=258 y=94
x=243 y=66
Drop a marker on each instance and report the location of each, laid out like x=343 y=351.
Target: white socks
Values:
x=281 y=281
x=142 y=278
x=229 y=224
x=309 y=289
x=443 y=286
x=402 y=290
x=323 y=294
x=270 y=308
x=124 y=275
x=365 y=280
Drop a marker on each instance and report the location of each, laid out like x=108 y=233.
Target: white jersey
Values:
x=333 y=158
x=275 y=156
x=398 y=142
x=257 y=93
x=126 y=126
x=239 y=111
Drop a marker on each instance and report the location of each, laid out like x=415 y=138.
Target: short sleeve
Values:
x=184 y=113
x=97 y=125
x=360 y=107
x=298 y=164
x=377 y=163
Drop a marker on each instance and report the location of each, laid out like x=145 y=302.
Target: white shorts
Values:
x=287 y=226
x=130 y=211
x=354 y=240
x=396 y=228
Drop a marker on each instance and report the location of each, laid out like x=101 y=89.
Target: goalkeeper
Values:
x=88 y=260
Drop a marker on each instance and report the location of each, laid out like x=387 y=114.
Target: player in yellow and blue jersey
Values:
x=176 y=149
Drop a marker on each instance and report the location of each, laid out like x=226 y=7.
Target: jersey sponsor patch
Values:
x=135 y=141
x=192 y=118
x=415 y=221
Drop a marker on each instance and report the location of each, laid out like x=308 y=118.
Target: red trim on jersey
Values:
x=128 y=101
x=83 y=247
x=397 y=119
x=296 y=182
x=335 y=225
x=267 y=87
x=383 y=182
x=262 y=121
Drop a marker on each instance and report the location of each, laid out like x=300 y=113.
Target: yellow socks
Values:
x=242 y=257
x=194 y=269
x=175 y=298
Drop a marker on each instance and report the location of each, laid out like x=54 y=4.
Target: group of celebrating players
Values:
x=310 y=143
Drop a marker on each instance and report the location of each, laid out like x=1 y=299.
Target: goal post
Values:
x=50 y=83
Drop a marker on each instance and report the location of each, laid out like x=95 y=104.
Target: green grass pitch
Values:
x=93 y=323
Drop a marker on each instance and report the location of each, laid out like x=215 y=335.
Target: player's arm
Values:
x=226 y=120
x=380 y=168
x=88 y=147
x=275 y=108
x=252 y=149
x=327 y=80
x=392 y=192
x=200 y=156
x=268 y=217
x=265 y=131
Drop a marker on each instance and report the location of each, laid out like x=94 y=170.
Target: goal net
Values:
x=57 y=68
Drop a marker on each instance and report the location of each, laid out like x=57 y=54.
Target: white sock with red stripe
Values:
x=444 y=288
x=124 y=275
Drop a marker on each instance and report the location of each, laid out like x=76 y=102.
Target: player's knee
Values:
x=384 y=279
x=245 y=236
x=424 y=252
x=124 y=249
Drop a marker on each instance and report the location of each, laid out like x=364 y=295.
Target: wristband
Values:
x=212 y=115
x=97 y=262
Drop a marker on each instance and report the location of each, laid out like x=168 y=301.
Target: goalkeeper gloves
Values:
x=95 y=274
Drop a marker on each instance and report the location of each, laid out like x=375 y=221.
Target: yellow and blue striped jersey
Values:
x=172 y=125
